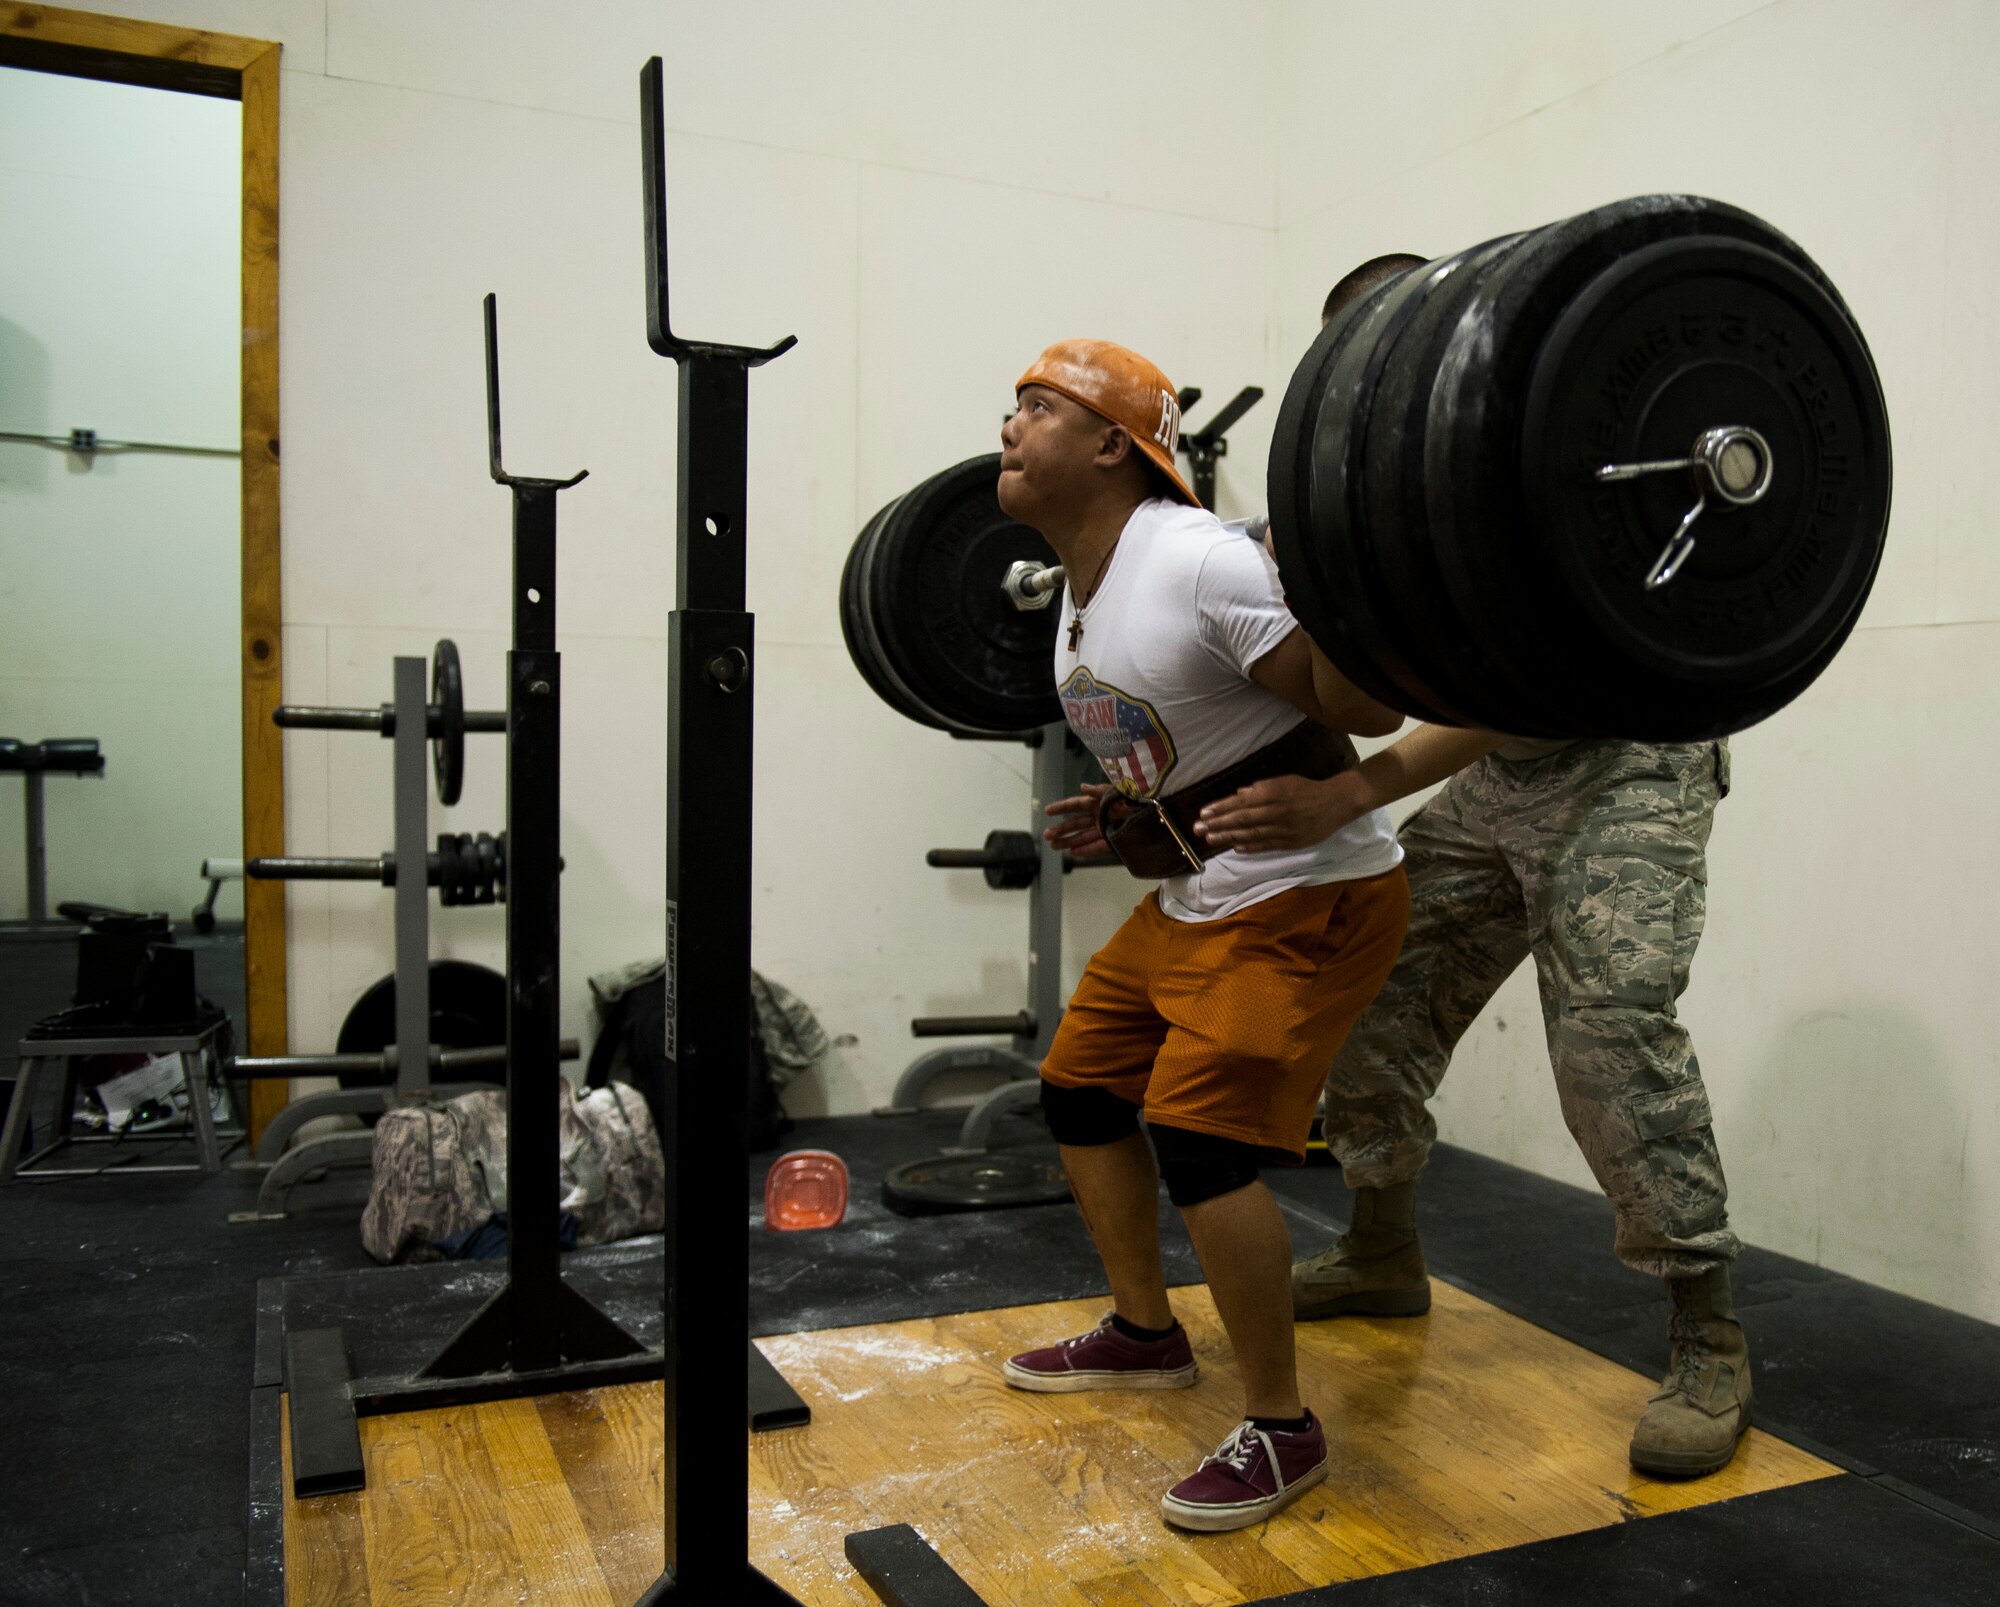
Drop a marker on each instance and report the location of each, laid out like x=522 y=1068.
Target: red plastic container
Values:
x=805 y=1189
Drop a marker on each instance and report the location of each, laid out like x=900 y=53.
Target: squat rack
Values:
x=711 y=690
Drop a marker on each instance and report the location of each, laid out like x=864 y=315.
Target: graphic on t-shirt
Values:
x=1122 y=731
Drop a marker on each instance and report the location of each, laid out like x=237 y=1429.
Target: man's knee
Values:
x=1199 y=1166
x=1086 y=1117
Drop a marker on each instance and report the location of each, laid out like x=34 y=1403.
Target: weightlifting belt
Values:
x=1154 y=837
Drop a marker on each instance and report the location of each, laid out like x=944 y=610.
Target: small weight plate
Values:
x=1673 y=340
x=448 y=740
x=989 y=1181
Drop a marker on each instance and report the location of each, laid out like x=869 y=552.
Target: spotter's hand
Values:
x=1283 y=812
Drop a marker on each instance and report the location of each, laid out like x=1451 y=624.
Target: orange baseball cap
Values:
x=1122 y=386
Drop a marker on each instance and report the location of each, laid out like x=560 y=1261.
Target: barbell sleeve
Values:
x=306 y=717
x=380 y=1060
x=310 y=868
x=1018 y=1025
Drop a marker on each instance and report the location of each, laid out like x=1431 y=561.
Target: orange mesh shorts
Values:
x=1228 y=1026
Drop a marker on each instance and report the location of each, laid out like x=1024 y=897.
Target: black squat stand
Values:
x=536 y=1331
x=710 y=691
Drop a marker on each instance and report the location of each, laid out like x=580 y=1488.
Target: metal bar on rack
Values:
x=413 y=896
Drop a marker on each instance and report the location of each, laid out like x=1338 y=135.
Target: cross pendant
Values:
x=1075 y=632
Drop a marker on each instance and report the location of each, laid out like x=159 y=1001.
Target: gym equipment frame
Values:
x=710 y=696
x=422 y=734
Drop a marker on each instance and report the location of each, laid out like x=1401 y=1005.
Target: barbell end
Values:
x=305 y=717
x=1029 y=585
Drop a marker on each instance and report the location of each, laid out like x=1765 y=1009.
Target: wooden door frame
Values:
x=84 y=44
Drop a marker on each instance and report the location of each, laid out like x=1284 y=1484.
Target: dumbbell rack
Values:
x=427 y=736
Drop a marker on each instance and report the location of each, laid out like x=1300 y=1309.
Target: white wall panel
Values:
x=1954 y=273
x=1150 y=108
x=1369 y=91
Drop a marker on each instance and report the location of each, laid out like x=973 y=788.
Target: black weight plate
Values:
x=1288 y=477
x=990 y=1181
x=946 y=628
x=1342 y=537
x=1496 y=566
x=448 y=740
x=1409 y=453
x=1385 y=455
x=1675 y=339
x=857 y=627
x=1314 y=542
x=468 y=1011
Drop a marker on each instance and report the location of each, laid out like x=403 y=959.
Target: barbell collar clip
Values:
x=1030 y=586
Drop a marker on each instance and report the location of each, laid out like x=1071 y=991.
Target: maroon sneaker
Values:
x=1106 y=1359
x=1254 y=1473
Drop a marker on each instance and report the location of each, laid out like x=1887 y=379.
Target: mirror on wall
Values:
x=120 y=506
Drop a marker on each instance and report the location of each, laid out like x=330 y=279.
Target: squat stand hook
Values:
x=500 y=475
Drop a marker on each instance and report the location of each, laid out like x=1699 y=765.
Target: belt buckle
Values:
x=1166 y=820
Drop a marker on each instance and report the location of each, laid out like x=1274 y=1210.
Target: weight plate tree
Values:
x=924 y=616
x=1627 y=475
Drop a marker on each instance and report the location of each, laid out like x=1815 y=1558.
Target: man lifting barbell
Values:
x=1590 y=857
x=1214 y=1008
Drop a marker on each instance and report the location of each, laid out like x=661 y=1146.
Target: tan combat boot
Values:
x=1702 y=1409
x=1376 y=1269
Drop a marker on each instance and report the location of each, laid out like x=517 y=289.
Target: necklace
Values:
x=1084 y=596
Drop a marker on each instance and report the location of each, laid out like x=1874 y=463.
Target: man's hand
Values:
x=1284 y=812
x=1075 y=830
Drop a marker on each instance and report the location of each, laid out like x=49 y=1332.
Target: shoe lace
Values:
x=1237 y=1450
x=1080 y=1339
x=1690 y=1352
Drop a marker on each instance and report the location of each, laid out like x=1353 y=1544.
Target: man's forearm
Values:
x=1426 y=756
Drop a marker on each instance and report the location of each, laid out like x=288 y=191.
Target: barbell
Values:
x=1625 y=475
x=447 y=720
x=466 y=868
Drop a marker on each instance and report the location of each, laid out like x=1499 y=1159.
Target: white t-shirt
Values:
x=1159 y=689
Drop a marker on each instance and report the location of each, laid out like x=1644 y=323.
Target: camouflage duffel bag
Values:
x=430 y=1175
x=441 y=1170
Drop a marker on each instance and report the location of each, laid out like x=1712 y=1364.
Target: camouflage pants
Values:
x=1592 y=860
